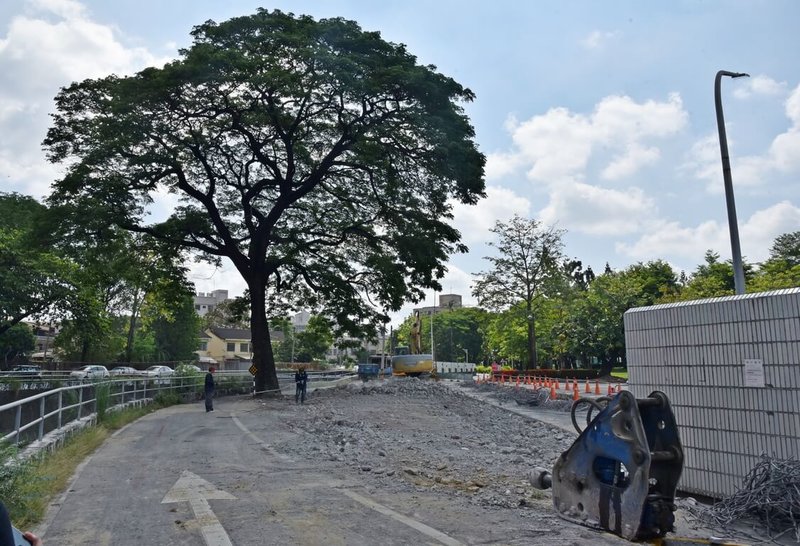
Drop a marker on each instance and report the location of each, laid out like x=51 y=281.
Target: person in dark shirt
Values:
x=209 y=390
x=7 y=532
x=300 y=381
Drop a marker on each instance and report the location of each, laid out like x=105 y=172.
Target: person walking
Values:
x=300 y=381
x=209 y=389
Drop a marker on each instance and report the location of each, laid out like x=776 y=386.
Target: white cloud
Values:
x=597 y=38
x=54 y=43
x=474 y=221
x=782 y=156
x=635 y=157
x=556 y=146
x=759 y=85
x=756 y=236
x=598 y=211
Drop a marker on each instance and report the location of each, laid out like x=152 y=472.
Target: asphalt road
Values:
x=183 y=476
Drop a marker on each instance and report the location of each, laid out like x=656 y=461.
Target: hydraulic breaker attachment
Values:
x=620 y=474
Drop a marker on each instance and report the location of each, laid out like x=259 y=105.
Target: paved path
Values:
x=181 y=476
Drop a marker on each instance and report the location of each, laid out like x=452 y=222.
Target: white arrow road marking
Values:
x=197 y=492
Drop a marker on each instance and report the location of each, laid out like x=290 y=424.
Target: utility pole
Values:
x=733 y=227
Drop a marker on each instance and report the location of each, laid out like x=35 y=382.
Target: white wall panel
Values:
x=694 y=352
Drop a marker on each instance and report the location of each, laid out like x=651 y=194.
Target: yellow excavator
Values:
x=411 y=360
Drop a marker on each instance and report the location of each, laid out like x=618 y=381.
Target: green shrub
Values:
x=483 y=369
x=102 y=394
x=16 y=482
x=164 y=399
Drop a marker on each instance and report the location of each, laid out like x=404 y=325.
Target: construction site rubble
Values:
x=405 y=436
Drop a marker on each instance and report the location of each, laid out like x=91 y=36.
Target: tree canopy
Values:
x=319 y=158
x=33 y=274
x=530 y=258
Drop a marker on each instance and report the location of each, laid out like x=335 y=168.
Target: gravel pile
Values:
x=522 y=396
x=406 y=436
x=411 y=433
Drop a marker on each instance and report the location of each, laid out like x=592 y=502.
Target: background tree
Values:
x=786 y=247
x=175 y=329
x=16 y=341
x=711 y=279
x=529 y=259
x=312 y=154
x=233 y=313
x=314 y=340
x=34 y=276
x=457 y=331
x=782 y=268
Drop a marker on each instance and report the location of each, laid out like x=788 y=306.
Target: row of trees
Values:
x=538 y=309
x=116 y=296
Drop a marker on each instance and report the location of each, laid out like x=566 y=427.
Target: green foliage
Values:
x=175 y=333
x=313 y=342
x=17 y=340
x=16 y=482
x=34 y=276
x=165 y=399
x=321 y=159
x=528 y=265
x=102 y=393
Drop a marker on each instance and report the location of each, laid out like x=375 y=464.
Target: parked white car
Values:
x=123 y=370
x=91 y=371
x=158 y=371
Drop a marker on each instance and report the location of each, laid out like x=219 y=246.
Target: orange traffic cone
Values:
x=619 y=387
x=567 y=386
x=610 y=390
x=557 y=385
x=553 y=395
x=597 y=387
x=588 y=388
x=575 y=394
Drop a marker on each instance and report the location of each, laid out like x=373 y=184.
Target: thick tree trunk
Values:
x=263 y=359
x=605 y=368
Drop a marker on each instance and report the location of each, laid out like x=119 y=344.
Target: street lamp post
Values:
x=738 y=270
x=466 y=356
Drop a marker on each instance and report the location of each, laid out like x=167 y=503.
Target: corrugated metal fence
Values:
x=731 y=368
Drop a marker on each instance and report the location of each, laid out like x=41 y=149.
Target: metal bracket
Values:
x=621 y=473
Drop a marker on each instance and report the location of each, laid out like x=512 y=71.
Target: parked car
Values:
x=90 y=371
x=26 y=370
x=158 y=371
x=123 y=370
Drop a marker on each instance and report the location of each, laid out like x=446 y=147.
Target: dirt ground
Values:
x=418 y=439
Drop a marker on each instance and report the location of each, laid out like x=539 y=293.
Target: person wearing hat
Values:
x=209 y=389
x=300 y=381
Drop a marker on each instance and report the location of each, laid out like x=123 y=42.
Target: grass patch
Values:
x=28 y=487
x=622 y=373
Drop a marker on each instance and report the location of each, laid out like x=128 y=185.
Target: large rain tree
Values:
x=528 y=262
x=321 y=160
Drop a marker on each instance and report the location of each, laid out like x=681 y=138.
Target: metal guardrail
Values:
x=53 y=409
x=56 y=407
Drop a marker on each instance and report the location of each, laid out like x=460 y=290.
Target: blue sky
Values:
x=595 y=116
